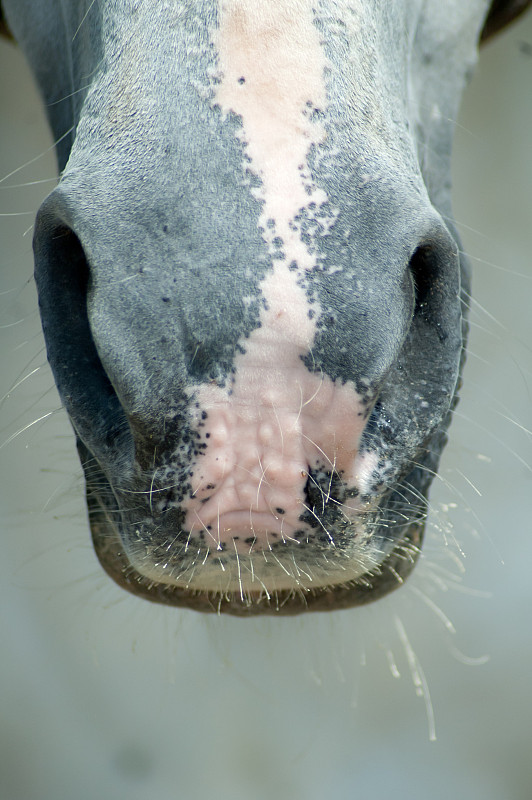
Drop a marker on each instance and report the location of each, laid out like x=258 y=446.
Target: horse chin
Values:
x=398 y=558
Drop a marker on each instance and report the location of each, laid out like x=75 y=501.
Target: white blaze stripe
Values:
x=271 y=66
x=279 y=419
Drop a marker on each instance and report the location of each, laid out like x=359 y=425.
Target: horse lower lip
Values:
x=252 y=573
x=254 y=599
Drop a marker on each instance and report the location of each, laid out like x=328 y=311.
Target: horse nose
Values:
x=232 y=401
x=124 y=363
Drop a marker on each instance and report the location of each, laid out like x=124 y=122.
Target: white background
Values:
x=106 y=696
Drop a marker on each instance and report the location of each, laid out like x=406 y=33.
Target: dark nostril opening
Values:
x=423 y=268
x=63 y=278
x=423 y=375
x=69 y=268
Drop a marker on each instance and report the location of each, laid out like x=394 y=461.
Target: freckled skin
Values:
x=251 y=301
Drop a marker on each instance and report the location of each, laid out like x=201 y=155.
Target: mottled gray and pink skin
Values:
x=250 y=285
x=275 y=419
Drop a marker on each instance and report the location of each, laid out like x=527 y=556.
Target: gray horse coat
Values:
x=251 y=288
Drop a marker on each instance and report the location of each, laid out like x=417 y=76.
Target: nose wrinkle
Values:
x=260 y=445
x=252 y=471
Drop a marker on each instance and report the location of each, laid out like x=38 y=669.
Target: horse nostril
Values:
x=420 y=272
x=424 y=269
x=63 y=278
x=61 y=260
x=434 y=270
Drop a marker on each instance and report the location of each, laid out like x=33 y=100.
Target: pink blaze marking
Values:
x=271 y=65
x=280 y=419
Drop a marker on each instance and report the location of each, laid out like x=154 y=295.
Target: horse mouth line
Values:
x=243 y=585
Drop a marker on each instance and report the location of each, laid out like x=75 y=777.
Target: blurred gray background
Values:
x=103 y=695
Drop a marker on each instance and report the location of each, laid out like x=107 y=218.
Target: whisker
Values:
x=418 y=677
x=36 y=158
